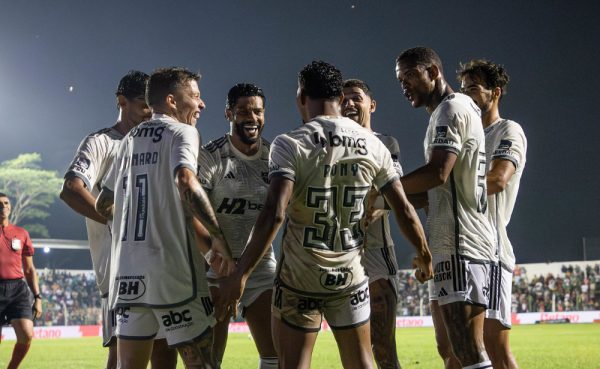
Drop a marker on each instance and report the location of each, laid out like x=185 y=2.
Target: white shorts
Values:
x=456 y=278
x=348 y=309
x=499 y=307
x=180 y=324
x=381 y=263
x=109 y=322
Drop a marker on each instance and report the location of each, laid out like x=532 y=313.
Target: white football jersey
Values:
x=505 y=140
x=155 y=262
x=378 y=232
x=333 y=163
x=236 y=185
x=92 y=160
x=457 y=221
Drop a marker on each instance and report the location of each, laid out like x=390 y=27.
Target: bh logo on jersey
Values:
x=335 y=281
x=360 y=299
x=177 y=319
x=131 y=288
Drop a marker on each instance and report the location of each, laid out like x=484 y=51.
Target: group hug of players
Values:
x=159 y=206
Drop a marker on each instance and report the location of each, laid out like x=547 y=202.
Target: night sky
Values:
x=60 y=62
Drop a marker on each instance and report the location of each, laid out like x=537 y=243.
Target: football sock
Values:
x=268 y=363
x=482 y=365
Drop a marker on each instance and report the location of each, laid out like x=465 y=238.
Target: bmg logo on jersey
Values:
x=147 y=130
x=360 y=298
x=336 y=280
x=237 y=206
x=131 y=288
x=177 y=319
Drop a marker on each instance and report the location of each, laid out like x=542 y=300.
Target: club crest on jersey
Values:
x=441 y=132
x=265 y=176
x=505 y=145
x=81 y=164
x=131 y=287
x=336 y=280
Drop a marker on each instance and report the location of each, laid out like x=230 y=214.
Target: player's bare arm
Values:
x=32 y=281
x=411 y=228
x=76 y=195
x=499 y=175
x=432 y=174
x=105 y=203
x=194 y=197
x=265 y=229
x=418 y=200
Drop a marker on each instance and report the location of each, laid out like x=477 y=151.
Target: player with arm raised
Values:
x=233 y=170
x=379 y=256
x=461 y=238
x=319 y=176
x=506 y=148
x=157 y=272
x=81 y=187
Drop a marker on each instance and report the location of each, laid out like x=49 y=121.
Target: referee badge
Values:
x=16 y=244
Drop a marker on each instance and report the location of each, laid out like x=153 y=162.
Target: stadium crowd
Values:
x=73 y=299
x=69 y=298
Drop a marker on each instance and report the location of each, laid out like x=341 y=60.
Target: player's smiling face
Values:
x=188 y=103
x=247 y=118
x=475 y=87
x=416 y=83
x=4 y=207
x=357 y=105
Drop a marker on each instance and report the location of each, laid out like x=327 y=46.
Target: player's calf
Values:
x=198 y=353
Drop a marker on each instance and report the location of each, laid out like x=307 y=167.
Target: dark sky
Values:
x=549 y=48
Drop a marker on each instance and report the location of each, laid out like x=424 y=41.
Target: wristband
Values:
x=37 y=296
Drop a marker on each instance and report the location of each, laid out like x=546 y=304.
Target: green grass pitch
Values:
x=535 y=347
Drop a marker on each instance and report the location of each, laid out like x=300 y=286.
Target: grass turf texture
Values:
x=535 y=346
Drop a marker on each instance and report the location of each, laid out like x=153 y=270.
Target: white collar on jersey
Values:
x=161 y=116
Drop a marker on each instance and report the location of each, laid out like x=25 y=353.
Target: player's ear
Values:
x=228 y=115
x=496 y=93
x=341 y=99
x=373 y=106
x=170 y=100
x=433 y=71
x=121 y=101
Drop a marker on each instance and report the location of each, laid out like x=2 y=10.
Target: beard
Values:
x=241 y=133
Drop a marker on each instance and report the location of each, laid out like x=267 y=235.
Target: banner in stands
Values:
x=241 y=327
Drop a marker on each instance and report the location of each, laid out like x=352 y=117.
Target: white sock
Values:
x=268 y=363
x=482 y=365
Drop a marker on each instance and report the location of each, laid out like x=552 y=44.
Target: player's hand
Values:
x=223 y=263
x=423 y=268
x=230 y=292
x=37 y=308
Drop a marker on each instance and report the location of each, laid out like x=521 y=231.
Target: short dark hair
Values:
x=243 y=90
x=321 y=80
x=4 y=195
x=349 y=83
x=165 y=81
x=133 y=84
x=420 y=55
x=493 y=74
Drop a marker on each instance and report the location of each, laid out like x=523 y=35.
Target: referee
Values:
x=16 y=262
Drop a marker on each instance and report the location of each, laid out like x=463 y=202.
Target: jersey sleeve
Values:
x=282 y=160
x=387 y=172
x=512 y=145
x=28 y=249
x=87 y=162
x=395 y=154
x=184 y=149
x=448 y=124
x=206 y=169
